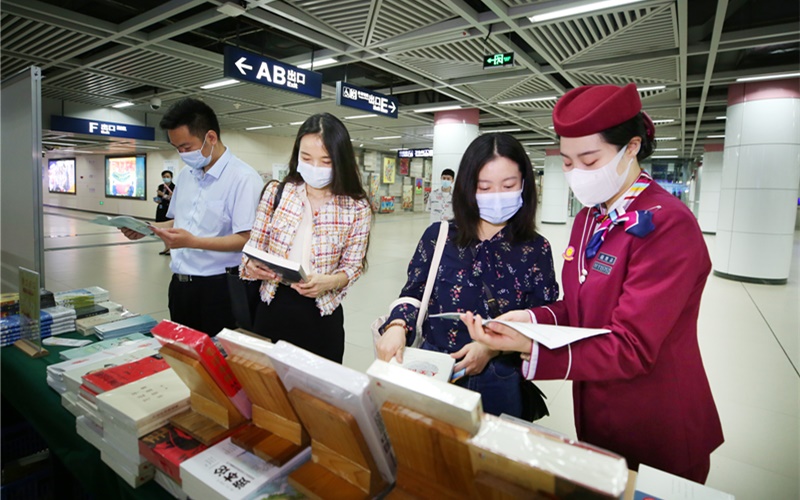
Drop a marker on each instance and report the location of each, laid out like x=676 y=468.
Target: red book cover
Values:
x=116 y=376
x=88 y=394
x=199 y=346
x=166 y=447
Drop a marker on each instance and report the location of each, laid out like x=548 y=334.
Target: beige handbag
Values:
x=426 y=296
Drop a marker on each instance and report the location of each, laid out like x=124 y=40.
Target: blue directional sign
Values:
x=415 y=153
x=243 y=65
x=98 y=127
x=366 y=100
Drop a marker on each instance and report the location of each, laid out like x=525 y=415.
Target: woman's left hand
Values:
x=316 y=285
x=475 y=358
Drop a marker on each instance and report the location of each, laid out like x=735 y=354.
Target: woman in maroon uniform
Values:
x=636 y=265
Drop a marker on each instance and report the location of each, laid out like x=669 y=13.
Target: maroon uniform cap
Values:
x=594 y=108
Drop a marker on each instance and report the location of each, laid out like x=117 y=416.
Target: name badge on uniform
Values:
x=606 y=259
x=601 y=268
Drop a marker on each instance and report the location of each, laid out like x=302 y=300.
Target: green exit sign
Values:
x=498 y=60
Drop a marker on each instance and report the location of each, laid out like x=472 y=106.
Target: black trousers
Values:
x=203 y=304
x=296 y=319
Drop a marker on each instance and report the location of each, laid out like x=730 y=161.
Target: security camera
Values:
x=155 y=103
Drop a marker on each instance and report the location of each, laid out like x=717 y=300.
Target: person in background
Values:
x=636 y=265
x=213 y=207
x=494 y=261
x=319 y=216
x=164 y=192
x=440 y=201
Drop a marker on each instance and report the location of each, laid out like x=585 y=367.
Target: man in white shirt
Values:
x=213 y=208
x=440 y=201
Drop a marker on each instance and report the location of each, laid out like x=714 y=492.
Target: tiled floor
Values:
x=749 y=336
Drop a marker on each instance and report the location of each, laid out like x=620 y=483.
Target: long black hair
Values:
x=336 y=139
x=522 y=226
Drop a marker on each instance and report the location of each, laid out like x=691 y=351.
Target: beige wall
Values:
x=259 y=151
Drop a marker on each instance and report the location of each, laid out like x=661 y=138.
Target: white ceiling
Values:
x=102 y=52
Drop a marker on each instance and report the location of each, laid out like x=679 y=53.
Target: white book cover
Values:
x=657 y=484
x=147 y=401
x=343 y=388
x=86 y=326
x=124 y=440
x=574 y=461
x=447 y=402
x=550 y=336
x=228 y=472
x=246 y=346
x=70 y=402
x=125 y=221
x=287 y=270
x=436 y=365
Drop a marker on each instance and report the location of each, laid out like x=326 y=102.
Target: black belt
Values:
x=186 y=278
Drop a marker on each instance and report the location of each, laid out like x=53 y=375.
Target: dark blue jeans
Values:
x=498 y=383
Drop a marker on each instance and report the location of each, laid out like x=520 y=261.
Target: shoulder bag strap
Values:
x=432 y=273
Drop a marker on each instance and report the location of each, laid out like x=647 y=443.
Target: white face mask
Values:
x=599 y=185
x=316 y=177
x=497 y=208
x=195 y=159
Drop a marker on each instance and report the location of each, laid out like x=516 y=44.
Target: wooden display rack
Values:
x=433 y=459
x=276 y=434
x=213 y=417
x=342 y=466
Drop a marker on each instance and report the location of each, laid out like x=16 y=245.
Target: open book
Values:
x=131 y=223
x=433 y=364
x=550 y=336
x=287 y=270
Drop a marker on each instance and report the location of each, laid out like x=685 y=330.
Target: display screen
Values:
x=126 y=177
x=61 y=175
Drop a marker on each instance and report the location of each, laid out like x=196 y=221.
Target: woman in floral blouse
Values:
x=493 y=262
x=318 y=216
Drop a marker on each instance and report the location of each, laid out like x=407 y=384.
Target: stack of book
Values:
x=538 y=459
x=86 y=326
x=67 y=375
x=81 y=297
x=134 y=410
x=52 y=321
x=9 y=302
x=127 y=326
x=167 y=448
x=341 y=387
x=170 y=485
x=199 y=346
x=228 y=472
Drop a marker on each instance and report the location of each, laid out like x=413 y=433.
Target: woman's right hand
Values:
x=259 y=271
x=392 y=343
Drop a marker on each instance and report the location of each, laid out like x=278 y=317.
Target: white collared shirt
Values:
x=219 y=202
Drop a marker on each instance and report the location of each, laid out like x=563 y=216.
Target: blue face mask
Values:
x=446 y=183
x=497 y=208
x=195 y=159
x=167 y=180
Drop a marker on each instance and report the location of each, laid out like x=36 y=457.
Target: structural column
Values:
x=760 y=178
x=710 y=180
x=555 y=190
x=453 y=131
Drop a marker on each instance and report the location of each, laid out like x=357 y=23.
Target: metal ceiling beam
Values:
x=683 y=40
x=719 y=21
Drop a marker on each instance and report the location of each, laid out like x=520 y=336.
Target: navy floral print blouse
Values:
x=517 y=276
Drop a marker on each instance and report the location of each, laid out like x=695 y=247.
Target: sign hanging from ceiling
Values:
x=415 y=153
x=247 y=66
x=366 y=100
x=498 y=60
x=97 y=127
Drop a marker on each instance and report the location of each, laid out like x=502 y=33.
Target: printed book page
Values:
x=550 y=336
